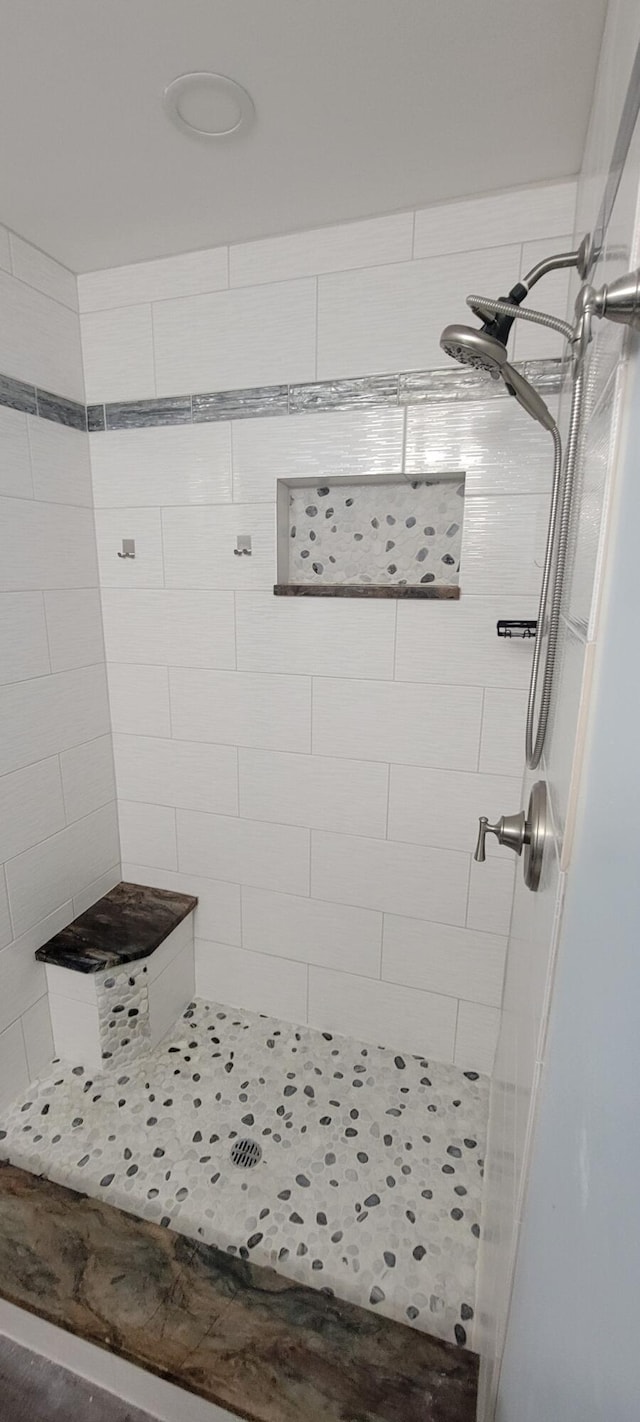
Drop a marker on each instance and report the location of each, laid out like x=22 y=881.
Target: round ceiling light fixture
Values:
x=208 y=105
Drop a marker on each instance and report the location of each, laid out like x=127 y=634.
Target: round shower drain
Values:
x=246 y=1153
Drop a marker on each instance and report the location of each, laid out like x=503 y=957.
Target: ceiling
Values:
x=362 y=107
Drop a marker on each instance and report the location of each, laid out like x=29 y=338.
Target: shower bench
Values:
x=120 y=975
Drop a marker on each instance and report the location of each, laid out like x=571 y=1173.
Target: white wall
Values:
x=537 y=926
x=314 y=769
x=58 y=824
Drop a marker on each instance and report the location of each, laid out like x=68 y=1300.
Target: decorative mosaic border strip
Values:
x=17 y=395
x=407 y=388
x=411 y=388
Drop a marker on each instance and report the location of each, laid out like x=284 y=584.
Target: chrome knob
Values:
x=518 y=832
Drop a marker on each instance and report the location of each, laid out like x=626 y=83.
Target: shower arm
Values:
x=577 y=258
x=561 y=501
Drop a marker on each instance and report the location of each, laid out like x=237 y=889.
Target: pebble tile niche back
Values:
x=375 y=537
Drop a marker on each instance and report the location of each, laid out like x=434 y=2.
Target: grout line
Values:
x=455 y=1029
x=153 y=352
x=313 y=898
x=30 y=453
x=238 y=794
x=339 y=972
x=481 y=729
x=48 y=641
x=47 y=504
x=169 y=707
x=65 y=751
x=4 y=881
x=241 y=944
x=67 y=821
x=47 y=838
x=29 y=284
x=394 y=657
x=340 y=676
x=308 y=830
x=20 y=1019
x=162 y=510
x=494 y=856
x=317 y=281
x=235 y=631
x=468 y=896
x=232 y=501
x=386 y=831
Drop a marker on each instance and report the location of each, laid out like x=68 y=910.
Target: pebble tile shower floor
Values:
x=370 y=1179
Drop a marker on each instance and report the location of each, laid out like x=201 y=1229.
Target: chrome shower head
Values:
x=474 y=347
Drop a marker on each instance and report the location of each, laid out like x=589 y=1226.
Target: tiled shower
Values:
x=311 y=769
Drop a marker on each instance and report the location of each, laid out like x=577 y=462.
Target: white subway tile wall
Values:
x=314 y=769
x=5 y=249
x=15 y=460
x=390 y=318
x=14 y=1069
x=117 y=347
x=58 y=823
x=34 y=267
x=59 y=463
x=39 y=339
x=252 y=336
x=162 y=466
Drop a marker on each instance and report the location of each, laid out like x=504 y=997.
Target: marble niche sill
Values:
x=239 y=1335
x=128 y=923
x=430 y=591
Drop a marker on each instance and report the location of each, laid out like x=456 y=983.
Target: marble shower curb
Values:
x=234 y=1333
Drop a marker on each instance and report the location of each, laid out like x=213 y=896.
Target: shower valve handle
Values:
x=528 y=832
x=510 y=830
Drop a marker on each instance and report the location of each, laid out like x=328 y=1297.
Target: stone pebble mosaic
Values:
x=122 y=1000
x=394 y=532
x=369 y=1184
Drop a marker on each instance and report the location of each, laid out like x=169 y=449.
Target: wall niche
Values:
x=377 y=536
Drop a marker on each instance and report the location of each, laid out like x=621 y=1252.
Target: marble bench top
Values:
x=262 y=1346
x=128 y=923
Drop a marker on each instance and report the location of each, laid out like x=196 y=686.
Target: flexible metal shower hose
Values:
x=555 y=559
x=522 y=313
x=534 y=745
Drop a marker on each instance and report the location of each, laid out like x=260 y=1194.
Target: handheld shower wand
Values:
x=485 y=349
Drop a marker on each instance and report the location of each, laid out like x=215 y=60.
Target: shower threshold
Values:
x=368 y=1184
